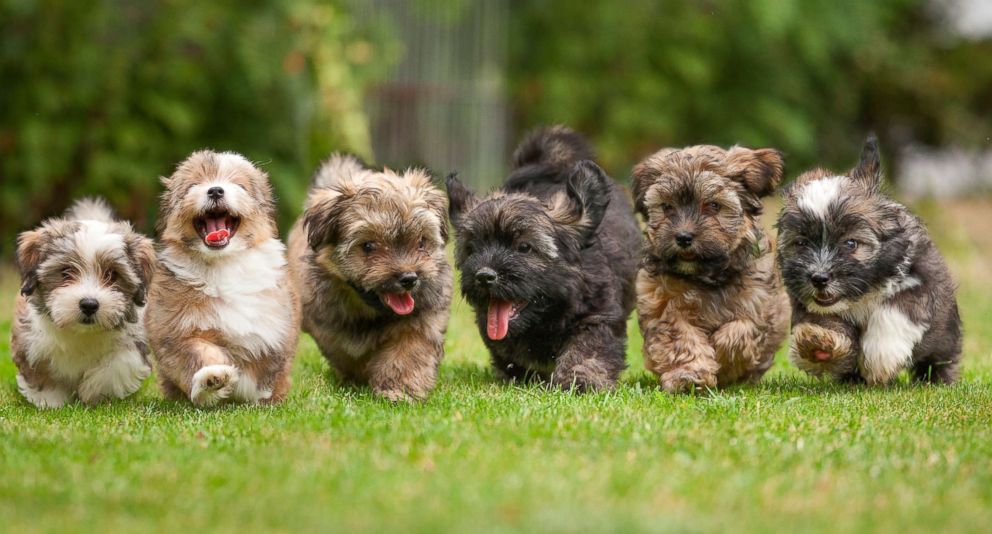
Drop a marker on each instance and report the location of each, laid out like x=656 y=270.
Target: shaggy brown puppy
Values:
x=368 y=255
x=871 y=294
x=710 y=302
x=223 y=311
x=77 y=327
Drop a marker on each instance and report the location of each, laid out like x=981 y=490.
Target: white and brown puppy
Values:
x=871 y=295
x=368 y=255
x=78 y=327
x=223 y=316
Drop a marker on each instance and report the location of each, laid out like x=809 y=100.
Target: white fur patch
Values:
x=48 y=398
x=816 y=196
x=213 y=384
x=887 y=344
x=118 y=376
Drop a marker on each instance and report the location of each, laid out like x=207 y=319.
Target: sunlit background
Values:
x=103 y=97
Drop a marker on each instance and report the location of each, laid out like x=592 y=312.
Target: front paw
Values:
x=819 y=345
x=585 y=376
x=736 y=341
x=688 y=380
x=213 y=384
x=395 y=395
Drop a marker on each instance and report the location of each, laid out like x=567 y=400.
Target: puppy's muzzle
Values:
x=820 y=279
x=684 y=239
x=485 y=277
x=408 y=280
x=89 y=306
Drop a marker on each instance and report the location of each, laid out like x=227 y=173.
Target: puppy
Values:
x=710 y=303
x=871 y=295
x=548 y=264
x=78 y=328
x=368 y=255
x=223 y=312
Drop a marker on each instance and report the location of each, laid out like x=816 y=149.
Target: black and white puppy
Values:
x=548 y=264
x=78 y=328
x=871 y=295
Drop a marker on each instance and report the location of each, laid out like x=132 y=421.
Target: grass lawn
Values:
x=791 y=453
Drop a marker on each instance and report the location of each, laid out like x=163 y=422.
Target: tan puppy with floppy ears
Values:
x=368 y=255
x=223 y=312
x=710 y=301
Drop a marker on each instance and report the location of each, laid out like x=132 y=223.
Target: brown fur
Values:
x=402 y=219
x=713 y=312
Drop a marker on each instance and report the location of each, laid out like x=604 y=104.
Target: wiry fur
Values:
x=224 y=323
x=361 y=232
x=60 y=351
x=559 y=241
x=712 y=310
x=886 y=301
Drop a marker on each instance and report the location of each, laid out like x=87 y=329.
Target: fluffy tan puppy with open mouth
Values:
x=223 y=316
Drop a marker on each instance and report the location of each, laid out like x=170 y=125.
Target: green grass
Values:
x=790 y=453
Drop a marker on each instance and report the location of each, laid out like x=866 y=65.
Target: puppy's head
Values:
x=85 y=274
x=381 y=232
x=700 y=204
x=839 y=236
x=215 y=204
x=518 y=255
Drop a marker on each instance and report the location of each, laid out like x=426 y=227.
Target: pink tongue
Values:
x=401 y=303
x=821 y=355
x=216 y=236
x=498 y=321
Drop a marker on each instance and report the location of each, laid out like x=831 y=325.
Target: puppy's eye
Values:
x=423 y=244
x=368 y=247
x=68 y=274
x=801 y=243
x=524 y=248
x=110 y=277
x=469 y=250
x=712 y=207
x=850 y=245
x=666 y=207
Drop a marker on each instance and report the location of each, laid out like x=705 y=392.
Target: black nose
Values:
x=215 y=192
x=408 y=280
x=89 y=306
x=485 y=276
x=684 y=239
x=820 y=280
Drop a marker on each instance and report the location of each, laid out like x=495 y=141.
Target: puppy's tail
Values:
x=90 y=209
x=558 y=147
x=337 y=168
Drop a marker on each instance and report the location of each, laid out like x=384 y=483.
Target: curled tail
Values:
x=337 y=168
x=90 y=209
x=558 y=147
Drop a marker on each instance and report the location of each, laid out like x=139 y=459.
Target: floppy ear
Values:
x=587 y=195
x=142 y=254
x=460 y=198
x=642 y=178
x=29 y=246
x=869 y=169
x=321 y=219
x=759 y=171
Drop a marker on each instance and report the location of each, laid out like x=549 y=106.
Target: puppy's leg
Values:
x=679 y=353
x=200 y=369
x=824 y=345
x=739 y=349
x=406 y=369
x=593 y=360
x=120 y=375
x=42 y=394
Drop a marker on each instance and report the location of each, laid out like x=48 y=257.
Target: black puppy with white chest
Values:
x=548 y=263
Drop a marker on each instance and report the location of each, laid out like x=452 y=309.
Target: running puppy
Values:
x=871 y=295
x=710 y=302
x=548 y=264
x=78 y=328
x=223 y=312
x=368 y=255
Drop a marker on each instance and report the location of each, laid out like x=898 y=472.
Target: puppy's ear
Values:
x=439 y=206
x=643 y=176
x=759 y=171
x=29 y=252
x=460 y=198
x=321 y=219
x=142 y=255
x=587 y=195
x=869 y=170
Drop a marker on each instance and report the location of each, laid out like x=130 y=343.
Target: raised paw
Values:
x=213 y=384
x=817 y=344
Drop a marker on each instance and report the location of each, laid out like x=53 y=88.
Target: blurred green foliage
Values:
x=104 y=97
x=810 y=77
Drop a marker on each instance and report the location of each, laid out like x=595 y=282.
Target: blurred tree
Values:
x=104 y=97
x=808 y=77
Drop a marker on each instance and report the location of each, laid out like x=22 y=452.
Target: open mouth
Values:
x=400 y=303
x=216 y=228
x=501 y=312
x=825 y=300
x=688 y=255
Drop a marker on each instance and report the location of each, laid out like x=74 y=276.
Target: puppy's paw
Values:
x=395 y=395
x=213 y=384
x=736 y=341
x=51 y=397
x=586 y=376
x=814 y=343
x=687 y=380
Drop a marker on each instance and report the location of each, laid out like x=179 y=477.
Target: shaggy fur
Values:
x=78 y=328
x=223 y=316
x=871 y=294
x=710 y=302
x=548 y=264
x=368 y=254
